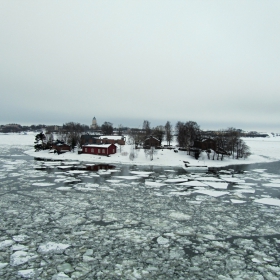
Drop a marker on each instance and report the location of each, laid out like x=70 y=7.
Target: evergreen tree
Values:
x=40 y=142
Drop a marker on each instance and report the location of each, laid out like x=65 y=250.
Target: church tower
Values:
x=94 y=123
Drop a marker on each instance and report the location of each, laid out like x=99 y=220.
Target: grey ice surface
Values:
x=57 y=224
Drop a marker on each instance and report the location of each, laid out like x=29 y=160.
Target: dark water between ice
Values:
x=56 y=224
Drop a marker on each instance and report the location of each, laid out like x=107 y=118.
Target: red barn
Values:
x=105 y=149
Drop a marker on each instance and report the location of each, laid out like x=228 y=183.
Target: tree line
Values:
x=228 y=141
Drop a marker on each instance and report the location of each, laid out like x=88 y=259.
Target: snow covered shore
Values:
x=262 y=149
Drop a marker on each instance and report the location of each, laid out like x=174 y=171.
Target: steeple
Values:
x=94 y=123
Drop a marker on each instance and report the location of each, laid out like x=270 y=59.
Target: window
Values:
x=103 y=151
x=99 y=151
x=113 y=150
x=92 y=150
x=86 y=150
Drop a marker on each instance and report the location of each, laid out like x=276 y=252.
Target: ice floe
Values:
x=128 y=177
x=153 y=184
x=30 y=273
x=192 y=184
x=237 y=201
x=217 y=185
x=211 y=193
x=6 y=243
x=43 y=184
x=271 y=185
x=21 y=257
x=176 y=180
x=52 y=247
x=268 y=201
x=64 y=188
x=179 y=216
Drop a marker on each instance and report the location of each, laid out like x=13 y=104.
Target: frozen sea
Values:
x=137 y=223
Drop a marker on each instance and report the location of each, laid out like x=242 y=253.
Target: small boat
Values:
x=191 y=167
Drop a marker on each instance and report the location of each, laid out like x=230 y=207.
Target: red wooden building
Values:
x=61 y=147
x=105 y=149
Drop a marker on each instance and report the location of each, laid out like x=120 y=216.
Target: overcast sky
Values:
x=213 y=62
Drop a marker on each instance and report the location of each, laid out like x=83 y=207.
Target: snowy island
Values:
x=262 y=150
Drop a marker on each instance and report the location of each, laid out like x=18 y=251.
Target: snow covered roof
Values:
x=151 y=137
x=111 y=137
x=98 y=146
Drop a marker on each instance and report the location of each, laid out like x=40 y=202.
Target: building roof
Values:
x=151 y=138
x=99 y=146
x=111 y=137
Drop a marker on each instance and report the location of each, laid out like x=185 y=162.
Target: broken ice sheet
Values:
x=268 y=201
x=43 y=184
x=128 y=177
x=20 y=238
x=179 y=216
x=259 y=170
x=237 y=201
x=21 y=257
x=64 y=188
x=77 y=171
x=162 y=241
x=30 y=273
x=247 y=190
x=113 y=181
x=179 y=193
x=6 y=243
x=217 y=185
x=52 y=247
x=153 y=184
x=211 y=193
x=176 y=180
x=141 y=173
x=271 y=185
x=212 y=179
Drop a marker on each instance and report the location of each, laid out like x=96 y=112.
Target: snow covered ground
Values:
x=262 y=149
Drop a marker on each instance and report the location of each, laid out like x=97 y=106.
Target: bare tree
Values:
x=146 y=128
x=187 y=133
x=107 y=128
x=120 y=130
x=150 y=152
x=135 y=137
x=71 y=133
x=168 y=132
